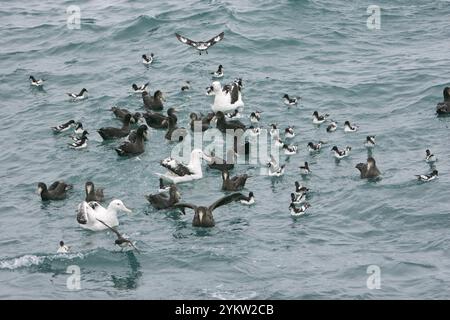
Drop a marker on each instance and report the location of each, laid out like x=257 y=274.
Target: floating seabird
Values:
x=186 y=86
x=305 y=169
x=275 y=170
x=218 y=73
x=36 y=83
x=56 y=191
x=298 y=198
x=93 y=194
x=233 y=115
x=155 y=102
x=64 y=127
x=78 y=128
x=158 y=121
x=332 y=126
x=120 y=241
x=129 y=148
x=315 y=147
x=368 y=170
x=289 y=149
x=291 y=101
x=80 y=96
x=200 y=45
x=255 y=116
x=121 y=113
x=108 y=133
x=349 y=128
x=274 y=131
x=147 y=60
x=429 y=157
x=227 y=98
x=300 y=189
x=141 y=88
x=179 y=172
x=223 y=125
x=233 y=184
x=443 y=108
x=77 y=138
x=427 y=177
x=175 y=133
x=248 y=200
x=203 y=122
x=319 y=119
x=80 y=143
x=203 y=216
x=296 y=212
x=370 y=142
x=340 y=154
x=63 y=248
x=89 y=212
x=289 y=132
x=164 y=200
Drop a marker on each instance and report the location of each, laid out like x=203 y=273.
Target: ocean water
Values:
x=386 y=80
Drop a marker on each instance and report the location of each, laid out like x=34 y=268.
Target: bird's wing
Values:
x=227 y=199
x=234 y=93
x=185 y=205
x=53 y=185
x=187 y=41
x=134 y=247
x=216 y=39
x=112 y=229
x=176 y=167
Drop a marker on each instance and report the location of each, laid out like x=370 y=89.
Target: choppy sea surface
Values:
x=388 y=81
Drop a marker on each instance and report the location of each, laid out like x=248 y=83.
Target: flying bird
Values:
x=200 y=45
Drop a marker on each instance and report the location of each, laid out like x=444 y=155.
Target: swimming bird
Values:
x=248 y=200
x=56 y=191
x=289 y=132
x=201 y=46
x=158 y=121
x=217 y=163
x=136 y=147
x=298 y=198
x=80 y=96
x=233 y=184
x=427 y=177
x=200 y=121
x=368 y=170
x=36 y=83
x=108 y=133
x=429 y=157
x=218 y=73
x=121 y=113
x=186 y=86
x=120 y=241
x=178 y=172
x=155 y=102
x=141 y=88
x=278 y=142
x=233 y=115
x=63 y=248
x=274 y=131
x=77 y=138
x=349 y=128
x=89 y=212
x=175 y=133
x=291 y=101
x=64 y=127
x=93 y=194
x=162 y=187
x=223 y=125
x=296 y=212
x=315 y=147
x=80 y=143
x=340 y=154
x=443 y=108
x=332 y=126
x=203 y=216
x=289 y=149
x=370 y=142
x=78 y=130
x=305 y=169
x=275 y=170
x=319 y=119
x=164 y=200
x=300 y=189
x=227 y=98
x=255 y=116
x=147 y=60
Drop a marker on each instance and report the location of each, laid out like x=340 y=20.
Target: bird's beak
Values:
x=126 y=210
x=207 y=158
x=201 y=216
x=39 y=190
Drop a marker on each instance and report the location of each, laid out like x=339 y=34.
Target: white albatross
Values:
x=227 y=98
x=89 y=212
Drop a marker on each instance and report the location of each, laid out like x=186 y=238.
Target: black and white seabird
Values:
x=305 y=169
x=368 y=170
x=370 y=142
x=289 y=132
x=332 y=126
x=427 y=177
x=248 y=200
x=120 y=241
x=235 y=183
x=255 y=116
x=80 y=96
x=290 y=101
x=147 y=60
x=93 y=194
x=429 y=157
x=350 y=128
x=274 y=131
x=315 y=147
x=133 y=148
x=186 y=86
x=289 y=150
x=78 y=130
x=64 y=127
x=203 y=216
x=36 y=83
x=141 y=88
x=300 y=189
x=164 y=200
x=108 y=133
x=234 y=114
x=63 y=248
x=77 y=138
x=56 y=191
x=319 y=119
x=218 y=73
x=298 y=198
x=155 y=102
x=340 y=154
x=200 y=45
x=443 y=108
x=275 y=170
x=80 y=143
x=296 y=212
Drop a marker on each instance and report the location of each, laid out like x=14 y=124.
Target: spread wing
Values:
x=216 y=39
x=176 y=167
x=113 y=230
x=184 y=205
x=227 y=199
x=186 y=40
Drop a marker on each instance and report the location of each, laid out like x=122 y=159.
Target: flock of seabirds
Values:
x=225 y=113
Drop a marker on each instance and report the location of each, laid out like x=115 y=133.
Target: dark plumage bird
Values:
x=223 y=125
x=155 y=102
x=233 y=184
x=108 y=133
x=217 y=163
x=164 y=200
x=305 y=169
x=134 y=148
x=56 y=191
x=174 y=133
x=121 y=113
x=120 y=241
x=368 y=170
x=201 y=46
x=443 y=108
x=158 y=121
x=200 y=120
x=141 y=88
x=78 y=96
x=93 y=194
x=203 y=216
x=36 y=82
x=427 y=177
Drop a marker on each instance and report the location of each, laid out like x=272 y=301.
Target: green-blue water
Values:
x=388 y=81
